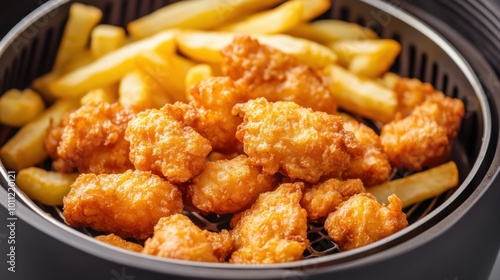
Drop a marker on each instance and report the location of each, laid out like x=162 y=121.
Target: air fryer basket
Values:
x=29 y=50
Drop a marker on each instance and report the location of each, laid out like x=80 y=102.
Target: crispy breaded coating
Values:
x=91 y=139
x=321 y=199
x=177 y=237
x=273 y=230
x=163 y=145
x=372 y=165
x=410 y=94
x=295 y=141
x=228 y=186
x=221 y=242
x=424 y=138
x=361 y=220
x=213 y=99
x=117 y=241
x=265 y=72
x=128 y=204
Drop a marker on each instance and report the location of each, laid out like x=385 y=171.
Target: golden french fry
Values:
x=48 y=187
x=198 y=73
x=109 y=68
x=314 y=8
x=139 y=91
x=168 y=71
x=196 y=14
x=26 y=149
x=106 y=38
x=108 y=94
x=370 y=58
x=419 y=186
x=361 y=95
x=328 y=31
x=82 y=18
x=205 y=46
x=19 y=107
x=390 y=79
x=276 y=20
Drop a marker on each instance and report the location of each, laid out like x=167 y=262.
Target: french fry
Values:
x=283 y=17
x=139 y=91
x=390 y=79
x=48 y=187
x=328 y=31
x=419 y=186
x=109 y=68
x=195 y=14
x=26 y=149
x=107 y=94
x=80 y=60
x=370 y=58
x=168 y=71
x=42 y=84
x=205 y=47
x=361 y=95
x=198 y=73
x=19 y=107
x=314 y=8
x=106 y=38
x=82 y=18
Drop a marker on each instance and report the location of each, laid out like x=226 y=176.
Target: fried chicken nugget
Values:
x=273 y=230
x=229 y=186
x=213 y=99
x=117 y=241
x=221 y=242
x=128 y=204
x=410 y=94
x=295 y=141
x=372 y=165
x=164 y=145
x=266 y=72
x=323 y=198
x=177 y=237
x=91 y=139
x=424 y=138
x=361 y=220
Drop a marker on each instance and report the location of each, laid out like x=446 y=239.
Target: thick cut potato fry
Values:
x=361 y=96
x=329 y=31
x=109 y=68
x=419 y=186
x=272 y=21
x=26 y=149
x=370 y=58
x=139 y=91
x=198 y=73
x=108 y=94
x=168 y=71
x=205 y=47
x=48 y=187
x=82 y=19
x=196 y=14
x=19 y=107
x=106 y=38
x=314 y=8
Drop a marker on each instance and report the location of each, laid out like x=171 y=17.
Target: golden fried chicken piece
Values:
x=228 y=186
x=162 y=144
x=221 y=242
x=323 y=198
x=410 y=94
x=213 y=99
x=424 y=138
x=128 y=204
x=361 y=220
x=91 y=139
x=295 y=141
x=177 y=237
x=273 y=230
x=372 y=166
x=117 y=241
x=265 y=72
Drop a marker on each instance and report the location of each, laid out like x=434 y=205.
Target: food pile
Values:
x=251 y=110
